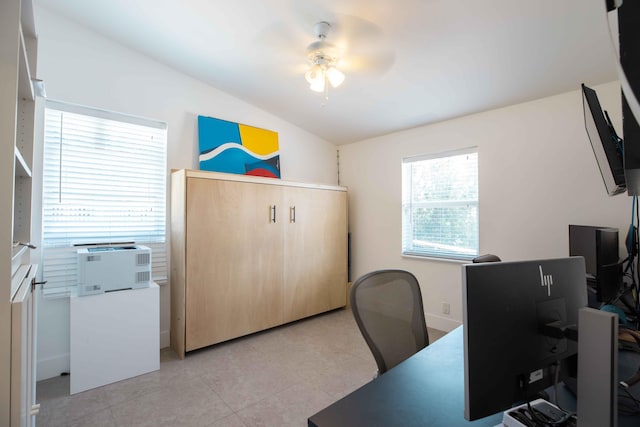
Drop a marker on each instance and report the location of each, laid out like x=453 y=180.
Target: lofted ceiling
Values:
x=407 y=62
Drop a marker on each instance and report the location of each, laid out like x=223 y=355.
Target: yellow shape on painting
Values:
x=259 y=141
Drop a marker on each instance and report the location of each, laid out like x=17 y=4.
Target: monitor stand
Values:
x=597 y=384
x=597 y=368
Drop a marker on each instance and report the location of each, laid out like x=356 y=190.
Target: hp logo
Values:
x=546 y=280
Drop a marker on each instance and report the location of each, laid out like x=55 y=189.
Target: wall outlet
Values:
x=446 y=308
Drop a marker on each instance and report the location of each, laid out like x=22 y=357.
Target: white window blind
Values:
x=440 y=205
x=104 y=181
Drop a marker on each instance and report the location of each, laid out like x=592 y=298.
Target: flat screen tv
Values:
x=607 y=146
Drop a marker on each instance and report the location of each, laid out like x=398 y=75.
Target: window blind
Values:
x=104 y=181
x=440 y=205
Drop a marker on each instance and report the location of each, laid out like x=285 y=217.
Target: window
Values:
x=104 y=181
x=440 y=205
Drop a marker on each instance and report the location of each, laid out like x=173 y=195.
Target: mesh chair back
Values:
x=387 y=306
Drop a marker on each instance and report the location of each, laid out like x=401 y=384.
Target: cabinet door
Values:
x=24 y=350
x=315 y=252
x=233 y=260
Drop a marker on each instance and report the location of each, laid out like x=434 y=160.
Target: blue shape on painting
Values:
x=214 y=132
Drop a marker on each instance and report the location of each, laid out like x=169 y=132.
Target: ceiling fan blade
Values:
x=279 y=45
x=361 y=44
x=364 y=45
x=374 y=64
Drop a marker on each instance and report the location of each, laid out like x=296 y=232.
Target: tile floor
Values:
x=274 y=378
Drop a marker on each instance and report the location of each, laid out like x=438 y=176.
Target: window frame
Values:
x=409 y=205
x=59 y=263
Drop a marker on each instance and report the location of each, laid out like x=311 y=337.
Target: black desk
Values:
x=425 y=390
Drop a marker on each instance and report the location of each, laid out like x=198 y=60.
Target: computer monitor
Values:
x=507 y=359
x=607 y=146
x=599 y=247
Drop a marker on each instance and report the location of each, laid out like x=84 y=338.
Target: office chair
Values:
x=387 y=306
x=486 y=258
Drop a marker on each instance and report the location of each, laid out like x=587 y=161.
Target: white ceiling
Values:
x=428 y=60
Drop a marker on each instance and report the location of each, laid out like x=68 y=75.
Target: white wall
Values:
x=81 y=67
x=537 y=174
x=537 y=171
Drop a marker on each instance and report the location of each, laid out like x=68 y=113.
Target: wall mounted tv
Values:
x=607 y=146
x=628 y=24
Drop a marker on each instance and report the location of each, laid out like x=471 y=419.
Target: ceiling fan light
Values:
x=335 y=76
x=317 y=85
x=314 y=74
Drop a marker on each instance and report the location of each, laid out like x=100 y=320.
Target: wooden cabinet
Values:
x=248 y=254
x=313 y=252
x=18 y=54
x=234 y=260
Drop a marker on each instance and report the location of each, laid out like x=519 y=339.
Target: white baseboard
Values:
x=165 y=339
x=441 y=323
x=52 y=366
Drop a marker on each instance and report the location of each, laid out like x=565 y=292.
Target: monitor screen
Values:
x=507 y=359
x=604 y=142
x=599 y=247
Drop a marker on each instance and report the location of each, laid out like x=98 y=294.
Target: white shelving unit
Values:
x=18 y=111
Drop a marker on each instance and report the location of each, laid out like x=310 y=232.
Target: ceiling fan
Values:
x=324 y=58
x=343 y=47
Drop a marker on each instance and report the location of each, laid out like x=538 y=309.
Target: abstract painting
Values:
x=236 y=148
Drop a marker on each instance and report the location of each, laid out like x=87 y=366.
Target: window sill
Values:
x=433 y=258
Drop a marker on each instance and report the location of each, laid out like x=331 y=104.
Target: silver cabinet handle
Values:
x=273 y=214
x=292 y=214
x=27 y=244
x=34 y=283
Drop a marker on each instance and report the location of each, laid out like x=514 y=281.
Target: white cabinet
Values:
x=18 y=54
x=23 y=349
x=114 y=336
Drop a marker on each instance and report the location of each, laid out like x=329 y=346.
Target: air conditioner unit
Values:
x=113 y=268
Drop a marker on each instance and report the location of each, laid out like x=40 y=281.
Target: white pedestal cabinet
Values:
x=114 y=336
